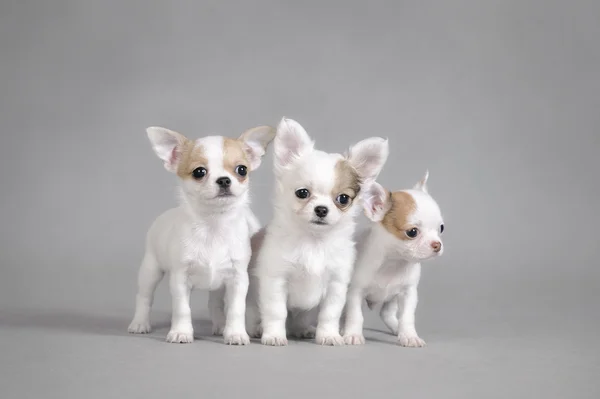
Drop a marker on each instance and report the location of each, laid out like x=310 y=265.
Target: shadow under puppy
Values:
x=407 y=230
x=205 y=242
x=302 y=261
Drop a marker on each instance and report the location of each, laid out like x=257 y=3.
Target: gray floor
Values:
x=498 y=99
x=493 y=341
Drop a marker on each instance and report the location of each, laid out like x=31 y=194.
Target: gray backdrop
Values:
x=499 y=99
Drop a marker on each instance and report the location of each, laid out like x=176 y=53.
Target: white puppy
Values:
x=205 y=242
x=302 y=262
x=388 y=265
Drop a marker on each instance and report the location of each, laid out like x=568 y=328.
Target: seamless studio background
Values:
x=498 y=99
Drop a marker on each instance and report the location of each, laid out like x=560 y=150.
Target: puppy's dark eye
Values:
x=302 y=193
x=199 y=173
x=343 y=199
x=441 y=228
x=241 y=170
x=412 y=233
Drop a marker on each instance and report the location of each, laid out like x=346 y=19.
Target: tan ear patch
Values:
x=396 y=219
x=347 y=182
x=233 y=156
x=192 y=157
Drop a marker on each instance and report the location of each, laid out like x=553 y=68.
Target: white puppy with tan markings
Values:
x=302 y=261
x=205 y=242
x=407 y=231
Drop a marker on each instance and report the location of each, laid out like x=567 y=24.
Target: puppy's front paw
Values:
x=410 y=340
x=354 y=339
x=273 y=340
x=139 y=327
x=331 y=339
x=180 y=337
x=236 y=338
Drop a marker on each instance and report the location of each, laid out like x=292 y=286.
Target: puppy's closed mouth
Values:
x=319 y=222
x=224 y=194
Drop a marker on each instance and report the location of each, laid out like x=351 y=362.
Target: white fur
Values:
x=204 y=243
x=388 y=269
x=299 y=267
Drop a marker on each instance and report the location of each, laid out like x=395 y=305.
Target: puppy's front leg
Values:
x=407 y=334
x=272 y=299
x=181 y=319
x=353 y=324
x=236 y=289
x=328 y=327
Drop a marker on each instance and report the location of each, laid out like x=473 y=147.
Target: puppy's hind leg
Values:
x=216 y=308
x=253 y=321
x=148 y=278
x=389 y=314
x=302 y=323
x=252 y=312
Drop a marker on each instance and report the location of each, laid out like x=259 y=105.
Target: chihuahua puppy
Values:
x=302 y=262
x=407 y=231
x=205 y=242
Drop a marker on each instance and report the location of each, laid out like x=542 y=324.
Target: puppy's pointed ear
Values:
x=422 y=184
x=168 y=145
x=368 y=157
x=376 y=202
x=291 y=142
x=255 y=142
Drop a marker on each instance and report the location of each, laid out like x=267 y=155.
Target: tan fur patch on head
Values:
x=191 y=157
x=396 y=219
x=347 y=182
x=234 y=155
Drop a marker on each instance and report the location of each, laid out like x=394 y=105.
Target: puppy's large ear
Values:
x=376 y=202
x=422 y=184
x=168 y=145
x=255 y=142
x=368 y=157
x=291 y=142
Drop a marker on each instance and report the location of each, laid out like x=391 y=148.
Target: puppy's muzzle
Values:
x=224 y=184
x=321 y=211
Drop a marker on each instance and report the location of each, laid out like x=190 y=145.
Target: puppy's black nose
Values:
x=224 y=182
x=321 y=211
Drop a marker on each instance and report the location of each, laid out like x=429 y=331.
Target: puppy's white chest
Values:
x=307 y=260
x=208 y=257
x=308 y=278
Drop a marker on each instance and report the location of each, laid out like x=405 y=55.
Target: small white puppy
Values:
x=205 y=242
x=302 y=262
x=388 y=266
